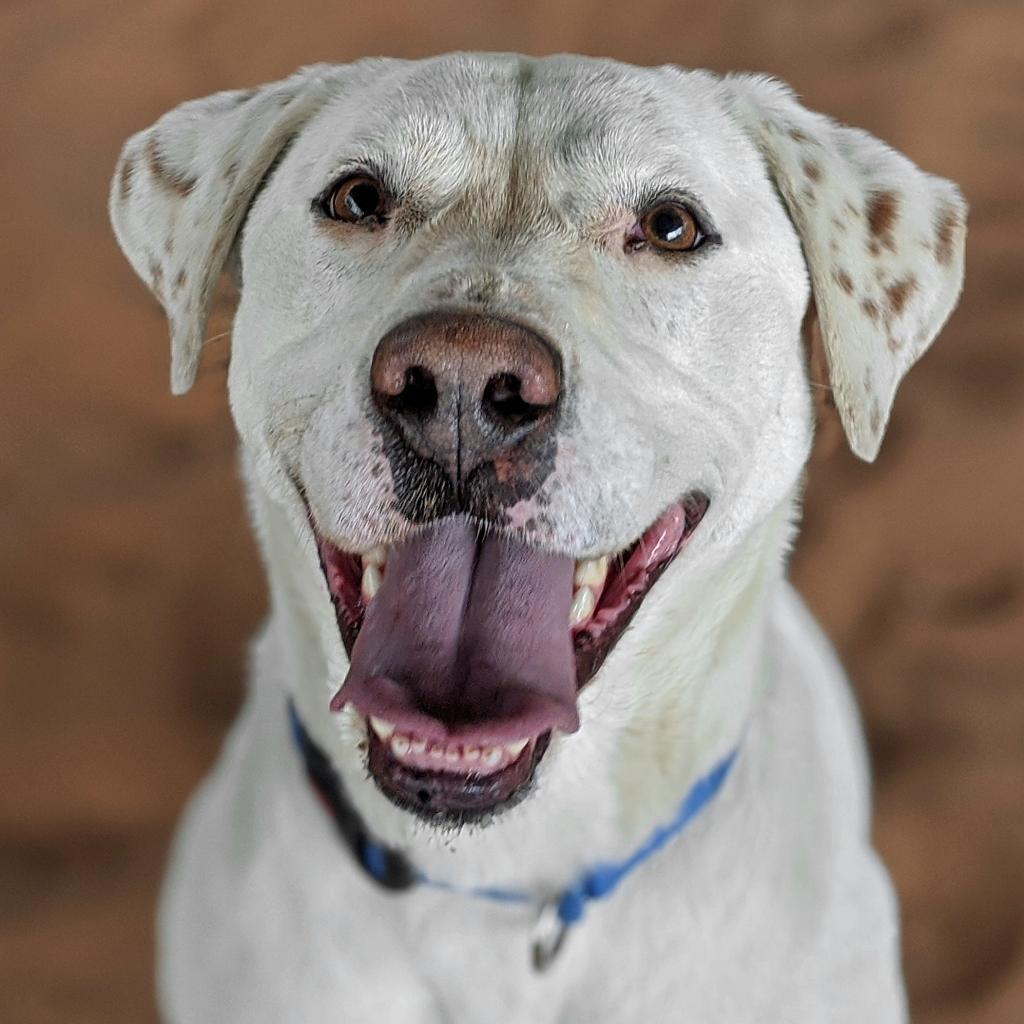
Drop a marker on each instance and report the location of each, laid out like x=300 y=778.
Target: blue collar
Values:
x=390 y=869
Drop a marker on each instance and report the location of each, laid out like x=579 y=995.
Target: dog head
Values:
x=518 y=363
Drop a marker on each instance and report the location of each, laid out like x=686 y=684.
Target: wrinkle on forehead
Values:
x=520 y=145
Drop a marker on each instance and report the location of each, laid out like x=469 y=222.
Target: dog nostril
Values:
x=503 y=401
x=418 y=396
x=459 y=391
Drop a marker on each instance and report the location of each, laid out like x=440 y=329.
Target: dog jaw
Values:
x=470 y=747
x=671 y=697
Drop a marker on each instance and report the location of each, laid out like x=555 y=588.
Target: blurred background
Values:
x=129 y=582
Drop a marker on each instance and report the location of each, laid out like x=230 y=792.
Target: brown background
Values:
x=129 y=582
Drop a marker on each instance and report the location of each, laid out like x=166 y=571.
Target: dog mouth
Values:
x=467 y=648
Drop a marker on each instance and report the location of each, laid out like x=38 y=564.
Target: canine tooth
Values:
x=399 y=745
x=491 y=756
x=371 y=581
x=592 y=572
x=471 y=753
x=377 y=556
x=583 y=604
x=515 y=749
x=417 y=746
x=381 y=728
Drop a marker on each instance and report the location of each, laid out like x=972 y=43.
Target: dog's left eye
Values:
x=668 y=226
x=360 y=199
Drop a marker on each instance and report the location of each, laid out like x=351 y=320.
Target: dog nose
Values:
x=465 y=390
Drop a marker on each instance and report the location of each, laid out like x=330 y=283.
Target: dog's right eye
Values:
x=360 y=199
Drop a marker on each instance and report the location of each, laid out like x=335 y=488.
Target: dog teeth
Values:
x=588 y=579
x=383 y=729
x=374 y=562
x=372 y=580
x=450 y=755
x=584 y=602
x=515 y=749
x=377 y=556
x=592 y=572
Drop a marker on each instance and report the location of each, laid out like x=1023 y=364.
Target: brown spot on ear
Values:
x=828 y=433
x=180 y=185
x=883 y=211
x=844 y=281
x=812 y=170
x=948 y=222
x=156 y=278
x=874 y=248
x=871 y=310
x=798 y=136
x=876 y=417
x=125 y=181
x=898 y=293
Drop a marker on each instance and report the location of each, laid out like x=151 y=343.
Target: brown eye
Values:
x=358 y=200
x=670 y=227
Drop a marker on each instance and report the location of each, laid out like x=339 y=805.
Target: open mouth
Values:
x=467 y=648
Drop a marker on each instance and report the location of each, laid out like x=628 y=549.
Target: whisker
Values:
x=216 y=337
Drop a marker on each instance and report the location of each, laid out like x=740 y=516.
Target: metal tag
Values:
x=549 y=933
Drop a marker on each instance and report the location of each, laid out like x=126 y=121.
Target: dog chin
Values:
x=468 y=647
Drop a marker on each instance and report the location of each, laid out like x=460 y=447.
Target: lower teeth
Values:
x=402 y=745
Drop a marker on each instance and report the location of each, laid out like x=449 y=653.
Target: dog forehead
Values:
x=461 y=112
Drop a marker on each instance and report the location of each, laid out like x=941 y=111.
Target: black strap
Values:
x=386 y=867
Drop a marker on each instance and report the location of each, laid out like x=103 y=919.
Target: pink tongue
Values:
x=467 y=640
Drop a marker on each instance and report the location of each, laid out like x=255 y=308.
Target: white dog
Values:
x=519 y=362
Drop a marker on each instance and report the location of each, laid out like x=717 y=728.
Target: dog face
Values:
x=518 y=363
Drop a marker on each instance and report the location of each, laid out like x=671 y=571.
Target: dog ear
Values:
x=883 y=241
x=182 y=189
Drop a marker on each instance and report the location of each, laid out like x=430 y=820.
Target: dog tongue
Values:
x=467 y=640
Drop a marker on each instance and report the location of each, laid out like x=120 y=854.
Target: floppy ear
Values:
x=182 y=188
x=883 y=241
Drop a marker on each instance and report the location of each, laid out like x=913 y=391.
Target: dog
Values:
x=537 y=730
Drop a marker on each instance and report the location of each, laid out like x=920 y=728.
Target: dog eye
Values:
x=668 y=226
x=357 y=200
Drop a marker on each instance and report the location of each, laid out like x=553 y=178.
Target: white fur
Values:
x=683 y=374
